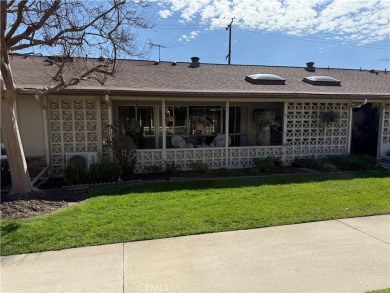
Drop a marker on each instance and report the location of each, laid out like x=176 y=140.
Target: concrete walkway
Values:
x=348 y=255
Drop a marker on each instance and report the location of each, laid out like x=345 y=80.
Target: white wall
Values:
x=29 y=115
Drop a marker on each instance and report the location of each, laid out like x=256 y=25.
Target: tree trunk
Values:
x=21 y=182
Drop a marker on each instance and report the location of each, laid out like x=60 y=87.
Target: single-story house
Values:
x=314 y=112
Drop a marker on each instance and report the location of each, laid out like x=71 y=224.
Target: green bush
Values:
x=76 y=174
x=200 y=166
x=104 y=171
x=307 y=162
x=152 y=169
x=265 y=165
x=172 y=168
x=225 y=172
x=277 y=161
x=353 y=162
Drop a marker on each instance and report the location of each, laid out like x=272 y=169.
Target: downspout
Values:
x=358 y=105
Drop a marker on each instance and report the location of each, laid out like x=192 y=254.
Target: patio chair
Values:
x=179 y=142
x=219 y=141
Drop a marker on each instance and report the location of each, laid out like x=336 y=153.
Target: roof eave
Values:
x=221 y=94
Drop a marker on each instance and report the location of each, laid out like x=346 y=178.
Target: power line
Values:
x=314 y=40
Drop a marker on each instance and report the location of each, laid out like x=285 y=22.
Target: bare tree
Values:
x=68 y=29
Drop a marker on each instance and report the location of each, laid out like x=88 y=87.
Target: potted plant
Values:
x=199 y=122
x=260 y=129
x=330 y=116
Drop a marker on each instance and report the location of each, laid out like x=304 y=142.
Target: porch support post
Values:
x=164 y=130
x=380 y=131
x=284 y=135
x=227 y=134
x=156 y=127
x=349 y=135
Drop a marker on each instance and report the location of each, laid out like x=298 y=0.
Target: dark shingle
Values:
x=208 y=78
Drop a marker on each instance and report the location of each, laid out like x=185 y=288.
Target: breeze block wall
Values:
x=72 y=127
x=306 y=135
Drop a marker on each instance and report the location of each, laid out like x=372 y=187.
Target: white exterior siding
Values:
x=30 y=122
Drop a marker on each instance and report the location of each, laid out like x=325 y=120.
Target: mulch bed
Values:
x=39 y=203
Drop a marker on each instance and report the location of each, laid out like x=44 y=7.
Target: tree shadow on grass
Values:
x=9 y=227
x=149 y=187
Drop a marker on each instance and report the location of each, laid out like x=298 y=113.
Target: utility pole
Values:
x=229 y=27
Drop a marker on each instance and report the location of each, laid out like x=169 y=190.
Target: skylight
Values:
x=265 y=79
x=322 y=80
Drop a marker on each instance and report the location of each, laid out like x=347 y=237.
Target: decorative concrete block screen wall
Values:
x=306 y=135
x=72 y=125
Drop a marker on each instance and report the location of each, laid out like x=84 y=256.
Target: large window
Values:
x=197 y=125
x=138 y=123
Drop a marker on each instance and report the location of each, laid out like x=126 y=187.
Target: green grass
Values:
x=380 y=291
x=124 y=213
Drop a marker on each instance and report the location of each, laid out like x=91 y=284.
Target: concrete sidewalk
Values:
x=348 y=255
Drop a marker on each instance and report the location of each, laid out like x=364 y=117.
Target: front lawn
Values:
x=123 y=213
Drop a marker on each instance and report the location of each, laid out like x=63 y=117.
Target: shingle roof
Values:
x=209 y=79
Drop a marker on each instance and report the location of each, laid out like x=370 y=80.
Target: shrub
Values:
x=224 y=172
x=153 y=169
x=352 y=162
x=172 y=168
x=277 y=161
x=307 y=162
x=200 y=166
x=104 y=172
x=76 y=174
x=265 y=165
x=123 y=148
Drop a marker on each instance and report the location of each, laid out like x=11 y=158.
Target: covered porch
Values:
x=219 y=133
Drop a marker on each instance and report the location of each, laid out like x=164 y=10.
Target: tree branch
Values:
x=10 y=4
x=19 y=18
x=35 y=26
x=25 y=35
